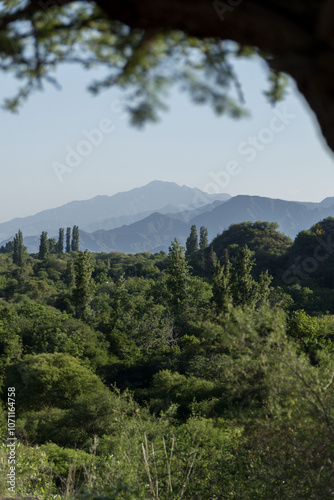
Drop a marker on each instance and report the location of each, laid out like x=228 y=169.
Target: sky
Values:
x=277 y=152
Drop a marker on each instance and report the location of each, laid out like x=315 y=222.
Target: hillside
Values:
x=152 y=234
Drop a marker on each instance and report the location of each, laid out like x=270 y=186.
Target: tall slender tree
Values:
x=82 y=292
x=60 y=244
x=244 y=286
x=69 y=273
x=212 y=259
x=43 y=246
x=177 y=279
x=68 y=240
x=192 y=241
x=221 y=285
x=203 y=238
x=75 y=239
x=203 y=244
x=18 y=249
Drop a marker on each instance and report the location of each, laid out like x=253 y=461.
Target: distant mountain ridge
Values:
x=152 y=230
x=122 y=207
x=291 y=216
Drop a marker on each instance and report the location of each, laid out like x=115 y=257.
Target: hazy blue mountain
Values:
x=150 y=230
x=188 y=215
x=327 y=202
x=169 y=210
x=144 y=200
x=152 y=234
x=291 y=216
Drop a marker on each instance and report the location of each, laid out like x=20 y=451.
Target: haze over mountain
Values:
x=108 y=212
x=128 y=222
x=291 y=216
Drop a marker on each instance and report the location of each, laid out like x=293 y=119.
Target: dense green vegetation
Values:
x=155 y=376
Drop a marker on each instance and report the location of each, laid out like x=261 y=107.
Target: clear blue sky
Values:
x=189 y=146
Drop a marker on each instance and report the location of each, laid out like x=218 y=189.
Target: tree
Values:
x=69 y=273
x=18 y=249
x=8 y=248
x=245 y=290
x=192 y=241
x=221 y=285
x=212 y=258
x=53 y=245
x=43 y=246
x=60 y=244
x=82 y=292
x=177 y=278
x=68 y=240
x=75 y=239
x=203 y=244
x=292 y=37
x=203 y=238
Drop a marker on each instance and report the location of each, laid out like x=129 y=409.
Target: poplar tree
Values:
x=245 y=288
x=69 y=273
x=203 y=243
x=18 y=249
x=82 y=292
x=192 y=241
x=203 y=238
x=177 y=278
x=43 y=246
x=212 y=258
x=221 y=285
x=68 y=240
x=60 y=244
x=75 y=239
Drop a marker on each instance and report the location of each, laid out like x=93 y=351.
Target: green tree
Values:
x=8 y=248
x=118 y=299
x=68 y=240
x=18 y=255
x=192 y=241
x=203 y=238
x=203 y=244
x=221 y=285
x=177 y=279
x=52 y=242
x=245 y=289
x=82 y=293
x=60 y=244
x=69 y=273
x=75 y=239
x=211 y=259
x=43 y=246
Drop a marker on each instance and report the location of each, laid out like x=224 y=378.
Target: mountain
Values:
x=152 y=234
x=327 y=202
x=188 y=215
x=291 y=216
x=129 y=223
x=107 y=212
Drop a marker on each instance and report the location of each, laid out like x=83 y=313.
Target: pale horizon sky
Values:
x=278 y=152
